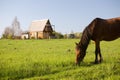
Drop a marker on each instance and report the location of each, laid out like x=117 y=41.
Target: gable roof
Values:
x=38 y=25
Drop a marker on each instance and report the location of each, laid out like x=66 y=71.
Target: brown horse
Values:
x=98 y=30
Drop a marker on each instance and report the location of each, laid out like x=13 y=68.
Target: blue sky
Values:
x=66 y=15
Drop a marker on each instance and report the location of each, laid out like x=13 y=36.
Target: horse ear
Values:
x=76 y=43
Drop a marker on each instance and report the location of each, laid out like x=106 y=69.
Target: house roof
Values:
x=38 y=25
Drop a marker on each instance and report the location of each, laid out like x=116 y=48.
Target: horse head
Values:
x=79 y=54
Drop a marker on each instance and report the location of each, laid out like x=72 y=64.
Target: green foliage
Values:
x=9 y=36
x=54 y=60
x=58 y=35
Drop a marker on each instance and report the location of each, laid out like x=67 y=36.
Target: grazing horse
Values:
x=98 y=30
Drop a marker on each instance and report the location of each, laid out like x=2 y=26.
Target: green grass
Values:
x=54 y=60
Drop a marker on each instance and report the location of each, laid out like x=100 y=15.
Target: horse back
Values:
x=106 y=29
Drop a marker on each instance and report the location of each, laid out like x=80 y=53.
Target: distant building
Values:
x=25 y=35
x=40 y=29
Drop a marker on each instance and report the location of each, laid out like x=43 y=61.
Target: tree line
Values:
x=59 y=35
x=14 y=32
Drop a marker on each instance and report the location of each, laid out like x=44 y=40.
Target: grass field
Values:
x=54 y=60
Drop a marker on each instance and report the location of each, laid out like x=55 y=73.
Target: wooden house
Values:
x=40 y=29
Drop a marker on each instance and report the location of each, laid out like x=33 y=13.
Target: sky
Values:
x=67 y=15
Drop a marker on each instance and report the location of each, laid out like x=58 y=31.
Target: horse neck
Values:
x=85 y=39
x=87 y=34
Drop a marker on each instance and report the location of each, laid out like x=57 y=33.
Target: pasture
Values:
x=54 y=60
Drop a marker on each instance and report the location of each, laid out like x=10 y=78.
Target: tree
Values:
x=58 y=35
x=78 y=35
x=16 y=28
x=13 y=31
x=71 y=35
x=65 y=36
x=8 y=33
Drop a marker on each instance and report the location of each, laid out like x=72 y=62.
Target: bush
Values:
x=58 y=35
x=9 y=36
x=32 y=37
x=71 y=36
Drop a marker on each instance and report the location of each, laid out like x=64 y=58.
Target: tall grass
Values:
x=54 y=59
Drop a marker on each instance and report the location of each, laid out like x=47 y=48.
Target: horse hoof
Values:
x=101 y=60
x=96 y=62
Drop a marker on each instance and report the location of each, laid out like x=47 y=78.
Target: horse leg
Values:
x=97 y=50
x=100 y=55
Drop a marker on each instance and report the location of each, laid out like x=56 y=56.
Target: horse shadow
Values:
x=87 y=64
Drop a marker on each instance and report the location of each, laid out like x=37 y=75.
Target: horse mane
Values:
x=86 y=36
